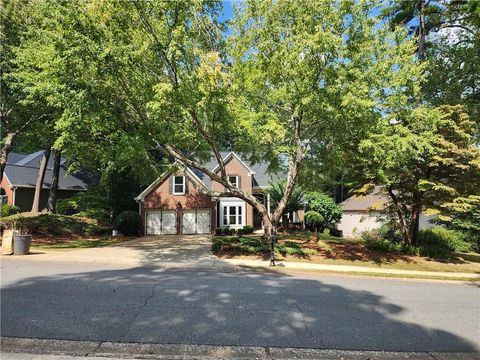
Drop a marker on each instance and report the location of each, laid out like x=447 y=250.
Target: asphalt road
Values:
x=104 y=303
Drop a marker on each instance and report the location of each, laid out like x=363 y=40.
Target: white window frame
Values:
x=235 y=183
x=240 y=214
x=175 y=184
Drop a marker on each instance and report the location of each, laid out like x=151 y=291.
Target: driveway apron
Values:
x=168 y=251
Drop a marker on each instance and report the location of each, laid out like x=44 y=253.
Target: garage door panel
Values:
x=203 y=222
x=154 y=222
x=169 y=222
x=188 y=222
x=161 y=222
x=196 y=221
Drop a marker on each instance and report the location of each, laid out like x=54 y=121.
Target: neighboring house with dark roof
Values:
x=20 y=177
x=178 y=204
x=363 y=213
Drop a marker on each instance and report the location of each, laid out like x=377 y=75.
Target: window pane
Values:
x=225 y=217
x=233 y=220
x=239 y=215
x=233 y=210
x=233 y=180
x=178 y=184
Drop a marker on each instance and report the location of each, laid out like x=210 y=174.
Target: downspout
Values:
x=14 y=188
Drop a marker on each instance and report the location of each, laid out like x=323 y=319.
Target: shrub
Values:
x=128 y=222
x=8 y=210
x=336 y=232
x=433 y=251
x=217 y=245
x=219 y=231
x=325 y=206
x=443 y=238
x=313 y=220
x=248 y=229
x=240 y=232
x=375 y=241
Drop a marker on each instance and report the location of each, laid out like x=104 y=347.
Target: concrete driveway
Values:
x=157 y=251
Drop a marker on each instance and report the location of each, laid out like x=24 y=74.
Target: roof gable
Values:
x=231 y=155
x=194 y=177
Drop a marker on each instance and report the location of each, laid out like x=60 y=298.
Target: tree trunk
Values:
x=6 y=148
x=415 y=220
x=40 y=178
x=52 y=196
x=403 y=226
x=269 y=236
x=421 y=30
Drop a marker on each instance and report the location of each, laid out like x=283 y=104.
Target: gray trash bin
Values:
x=21 y=244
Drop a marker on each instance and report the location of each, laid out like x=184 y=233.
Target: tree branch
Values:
x=210 y=141
x=233 y=190
x=293 y=170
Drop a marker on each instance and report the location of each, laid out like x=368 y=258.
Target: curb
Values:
x=96 y=349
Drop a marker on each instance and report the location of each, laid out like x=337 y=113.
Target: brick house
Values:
x=177 y=204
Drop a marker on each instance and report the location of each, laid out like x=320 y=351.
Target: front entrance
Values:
x=196 y=221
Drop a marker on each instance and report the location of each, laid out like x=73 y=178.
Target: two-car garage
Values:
x=165 y=222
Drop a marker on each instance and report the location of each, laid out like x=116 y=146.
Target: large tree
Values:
x=21 y=110
x=290 y=81
x=423 y=160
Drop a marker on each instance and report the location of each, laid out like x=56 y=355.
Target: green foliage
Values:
x=447 y=239
x=375 y=241
x=217 y=245
x=325 y=206
x=424 y=159
x=52 y=224
x=248 y=229
x=225 y=230
x=254 y=245
x=128 y=222
x=276 y=192
x=89 y=204
x=463 y=214
x=313 y=220
x=7 y=210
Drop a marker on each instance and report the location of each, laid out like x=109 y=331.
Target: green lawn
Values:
x=80 y=244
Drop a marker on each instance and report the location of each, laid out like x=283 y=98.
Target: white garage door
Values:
x=161 y=222
x=196 y=222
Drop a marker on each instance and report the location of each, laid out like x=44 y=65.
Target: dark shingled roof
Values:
x=26 y=175
x=373 y=201
x=261 y=178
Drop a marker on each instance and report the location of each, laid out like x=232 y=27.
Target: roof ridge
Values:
x=29 y=157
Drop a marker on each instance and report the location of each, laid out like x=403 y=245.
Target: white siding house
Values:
x=362 y=213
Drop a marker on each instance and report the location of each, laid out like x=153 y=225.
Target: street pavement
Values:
x=118 y=303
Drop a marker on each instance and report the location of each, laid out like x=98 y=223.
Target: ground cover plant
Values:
x=49 y=228
x=375 y=252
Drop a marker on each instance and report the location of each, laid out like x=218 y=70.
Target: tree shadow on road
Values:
x=206 y=307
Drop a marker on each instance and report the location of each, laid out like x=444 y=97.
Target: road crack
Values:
x=140 y=309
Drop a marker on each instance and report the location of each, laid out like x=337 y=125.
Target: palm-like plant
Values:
x=296 y=201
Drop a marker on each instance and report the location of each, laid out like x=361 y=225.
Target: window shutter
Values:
x=186 y=185
x=170 y=185
x=239 y=182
